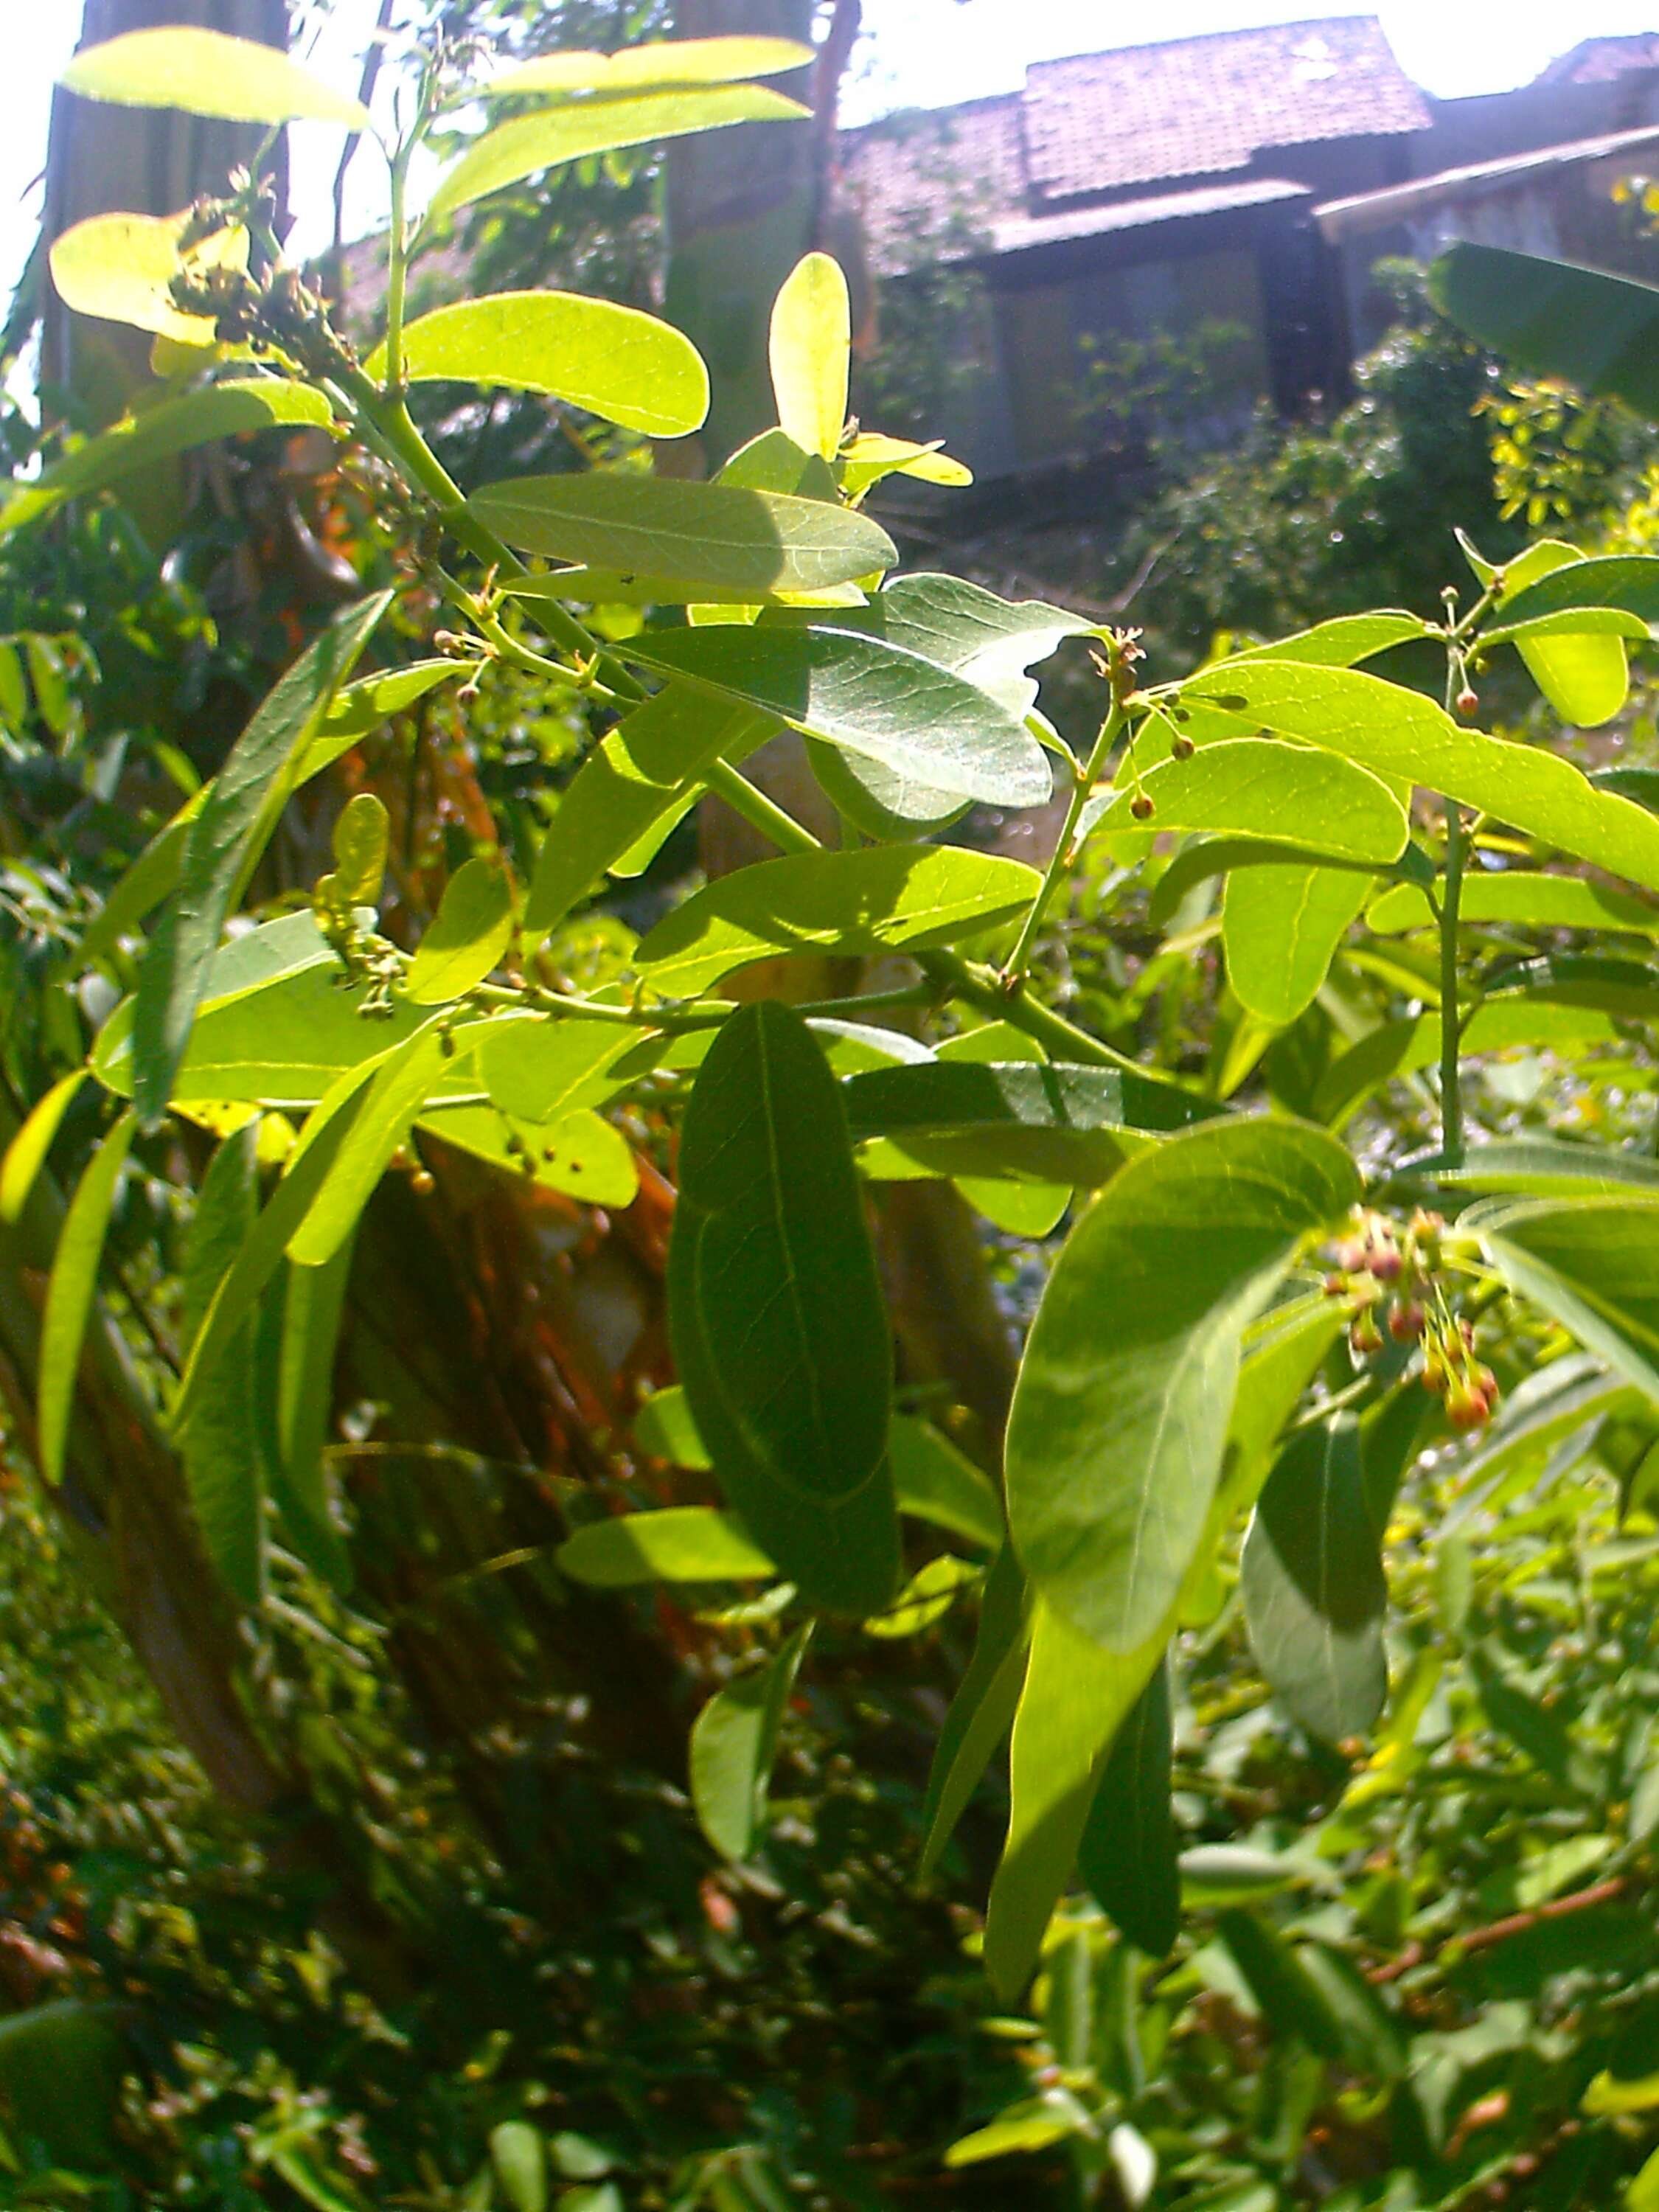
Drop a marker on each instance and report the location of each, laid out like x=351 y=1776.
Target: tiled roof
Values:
x=1194 y=107
x=1151 y=115
x=1598 y=61
x=916 y=176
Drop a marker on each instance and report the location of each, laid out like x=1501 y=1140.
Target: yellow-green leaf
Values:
x=120 y=267
x=662 y=63
x=208 y=73
x=471 y=931
x=26 y=1154
x=616 y=361
x=810 y=351
x=575 y=128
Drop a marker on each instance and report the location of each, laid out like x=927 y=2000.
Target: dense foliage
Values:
x=487 y=1359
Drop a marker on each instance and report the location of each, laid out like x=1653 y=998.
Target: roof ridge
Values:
x=1202 y=38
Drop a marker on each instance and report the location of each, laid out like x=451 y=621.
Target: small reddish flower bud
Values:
x=1364 y=1337
x=1141 y=806
x=1467 y=703
x=1465 y=1408
x=1406 y=1323
x=1336 y=1287
x=1384 y=1262
x=1182 y=747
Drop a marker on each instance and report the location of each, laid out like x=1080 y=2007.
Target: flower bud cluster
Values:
x=1389 y=1277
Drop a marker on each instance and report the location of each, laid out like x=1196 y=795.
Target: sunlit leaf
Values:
x=734 y=1742
x=71 y=1290
x=208 y=73
x=810 y=349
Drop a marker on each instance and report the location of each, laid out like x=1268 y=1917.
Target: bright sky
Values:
x=924 y=53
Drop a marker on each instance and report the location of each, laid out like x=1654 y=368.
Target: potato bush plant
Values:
x=1256 y=1320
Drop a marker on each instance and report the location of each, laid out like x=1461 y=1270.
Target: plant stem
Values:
x=1451 y=1102
x=398 y=269
x=1061 y=859
x=756 y=809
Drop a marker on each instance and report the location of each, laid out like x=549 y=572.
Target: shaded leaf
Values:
x=224 y=1465
x=982 y=1710
x=71 y=1290
x=775 y=1313
x=1597 y=331
x=1128 y=1854
x=734 y=1741
x=1312 y=1585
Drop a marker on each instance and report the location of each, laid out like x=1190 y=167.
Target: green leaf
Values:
x=1120 y=1413
x=1279 y=1982
x=1254 y=789
x=637 y=68
x=208 y=73
x=1535 y=901
x=734 y=1741
x=645 y=771
x=1344 y=640
x=862 y=902
x=679 y=1544
x=1591 y=1263
x=261 y=1251
x=924 y=724
x=663 y=1428
x=173 y=426
x=1536 y=1732
x=539 y=1069
x=278 y=1038
x=467 y=935
x=519 y=2157
x=982 y=1710
x=120 y=268
x=776 y=1312
x=1403 y=1047
x=581 y=1155
x=1597 y=331
x=567 y=132
x=1075 y=1697
x=616 y=361
x=810 y=351
x=314 y=1300
x=1282 y=1353
x=25 y=1155
x=1127 y=1854
x=224 y=1464
x=1398 y=733
x=364 y=705
x=1052 y=1123
x=71 y=1290
x=1539 y=1167
x=933 y=1481
x=396 y=1093
x=988 y=642
x=1312 y=1585
x=1583 y=673
x=225 y=839
x=1281 y=927
x=716 y=536
x=925 y=1598
x=360 y=850
x=869 y=457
